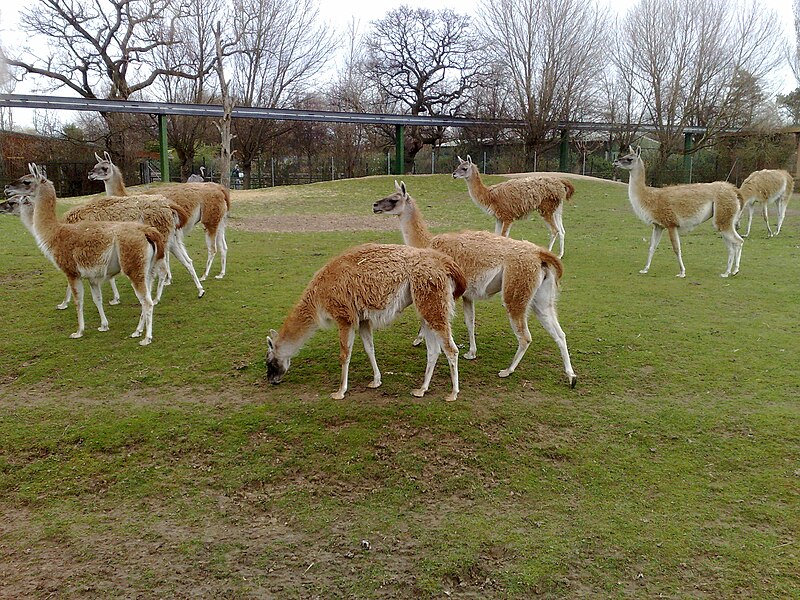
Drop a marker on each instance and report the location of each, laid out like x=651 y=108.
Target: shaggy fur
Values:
x=94 y=250
x=516 y=199
x=155 y=211
x=765 y=187
x=369 y=286
x=21 y=206
x=526 y=274
x=207 y=203
x=681 y=208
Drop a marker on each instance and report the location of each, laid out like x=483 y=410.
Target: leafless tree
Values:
x=102 y=49
x=282 y=48
x=7 y=85
x=694 y=62
x=423 y=61
x=492 y=100
x=350 y=92
x=195 y=48
x=552 y=52
x=794 y=49
x=619 y=105
x=222 y=49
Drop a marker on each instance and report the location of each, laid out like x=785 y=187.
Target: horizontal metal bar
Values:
x=287 y=114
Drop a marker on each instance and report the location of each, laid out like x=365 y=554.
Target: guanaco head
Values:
x=104 y=168
x=394 y=204
x=9 y=207
x=464 y=168
x=27 y=184
x=628 y=161
x=12 y=205
x=276 y=367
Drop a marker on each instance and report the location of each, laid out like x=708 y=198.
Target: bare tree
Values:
x=102 y=49
x=423 y=61
x=551 y=50
x=7 y=85
x=694 y=62
x=350 y=92
x=195 y=48
x=492 y=100
x=224 y=125
x=282 y=48
x=794 y=52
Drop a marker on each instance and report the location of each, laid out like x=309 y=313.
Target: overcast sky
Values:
x=340 y=13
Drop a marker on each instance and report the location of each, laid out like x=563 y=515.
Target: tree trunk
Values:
x=224 y=124
x=115 y=141
x=247 y=169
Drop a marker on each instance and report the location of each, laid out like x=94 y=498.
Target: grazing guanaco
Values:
x=369 y=286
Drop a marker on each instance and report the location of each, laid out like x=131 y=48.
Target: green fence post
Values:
x=688 y=144
x=163 y=147
x=399 y=149
x=563 y=154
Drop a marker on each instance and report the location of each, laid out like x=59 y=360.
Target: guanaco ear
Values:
x=37 y=171
x=397 y=187
x=638 y=150
x=107 y=156
x=403 y=189
x=469 y=159
x=273 y=335
x=97 y=157
x=459 y=158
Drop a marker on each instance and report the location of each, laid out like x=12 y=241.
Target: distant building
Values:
x=67 y=162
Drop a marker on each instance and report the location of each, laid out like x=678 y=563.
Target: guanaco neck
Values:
x=637 y=189
x=45 y=222
x=115 y=186
x=477 y=190
x=412 y=225
x=300 y=324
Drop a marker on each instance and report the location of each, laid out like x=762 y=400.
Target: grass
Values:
x=672 y=470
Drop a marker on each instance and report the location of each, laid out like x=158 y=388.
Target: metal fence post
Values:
x=688 y=144
x=399 y=156
x=163 y=147
x=563 y=154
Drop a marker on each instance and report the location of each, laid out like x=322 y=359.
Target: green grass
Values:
x=672 y=470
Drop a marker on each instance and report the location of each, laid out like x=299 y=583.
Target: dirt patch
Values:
x=313 y=224
x=17 y=277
